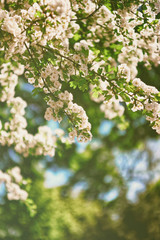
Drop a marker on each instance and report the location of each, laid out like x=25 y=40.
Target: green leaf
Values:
x=125 y=97
x=85 y=52
x=35 y=91
x=96 y=91
x=32 y=208
x=77 y=37
x=80 y=82
x=73 y=84
x=100 y=70
x=108 y=97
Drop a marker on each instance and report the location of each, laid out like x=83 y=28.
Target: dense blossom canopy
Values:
x=62 y=44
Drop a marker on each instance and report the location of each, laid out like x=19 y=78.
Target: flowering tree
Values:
x=58 y=45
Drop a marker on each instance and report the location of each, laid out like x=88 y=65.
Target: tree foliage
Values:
x=72 y=64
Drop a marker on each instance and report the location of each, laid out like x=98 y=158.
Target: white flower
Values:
x=11 y=26
x=124 y=72
x=31 y=80
x=137 y=82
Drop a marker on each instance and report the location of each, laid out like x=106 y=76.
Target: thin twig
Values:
x=57 y=53
x=46 y=83
x=103 y=77
x=90 y=15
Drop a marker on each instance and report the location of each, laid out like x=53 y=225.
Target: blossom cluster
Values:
x=138 y=41
x=111 y=107
x=13 y=132
x=148 y=104
x=38 y=25
x=47 y=25
x=12 y=179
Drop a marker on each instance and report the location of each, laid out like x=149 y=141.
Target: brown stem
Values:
x=57 y=53
x=90 y=15
x=45 y=81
